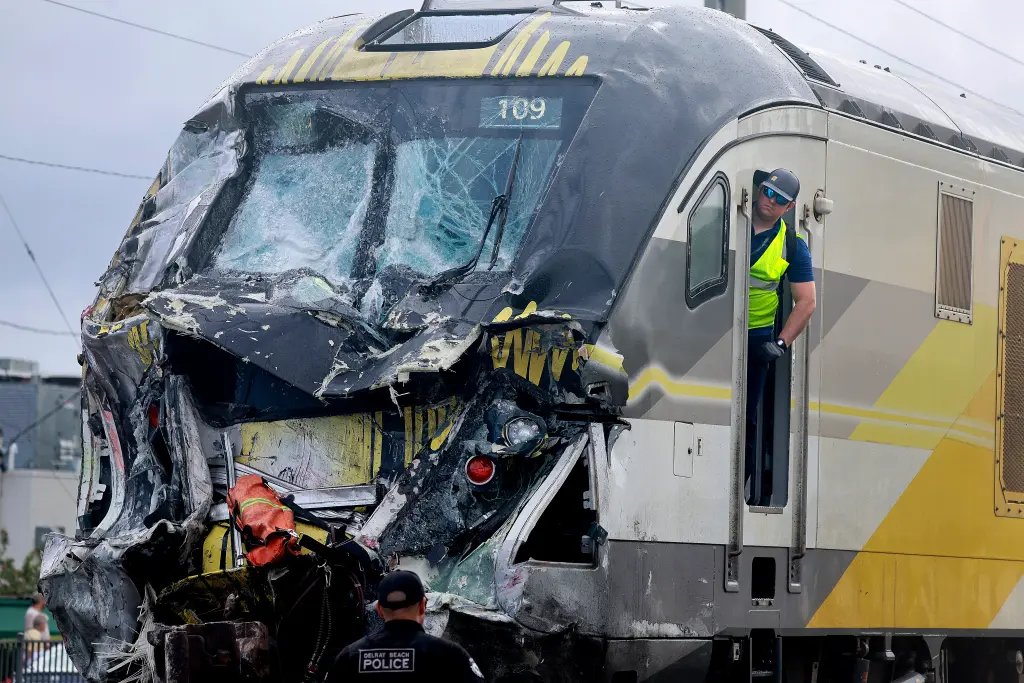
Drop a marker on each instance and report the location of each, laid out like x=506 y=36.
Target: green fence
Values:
x=12 y=617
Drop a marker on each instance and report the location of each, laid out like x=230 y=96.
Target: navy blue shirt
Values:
x=800 y=267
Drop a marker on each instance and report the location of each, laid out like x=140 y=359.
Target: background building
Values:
x=42 y=445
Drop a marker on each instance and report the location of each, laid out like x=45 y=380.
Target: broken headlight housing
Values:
x=514 y=430
x=522 y=433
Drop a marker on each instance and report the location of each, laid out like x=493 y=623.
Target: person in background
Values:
x=40 y=630
x=35 y=611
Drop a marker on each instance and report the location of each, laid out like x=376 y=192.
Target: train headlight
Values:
x=522 y=433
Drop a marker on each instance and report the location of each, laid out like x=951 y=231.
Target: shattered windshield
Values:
x=352 y=180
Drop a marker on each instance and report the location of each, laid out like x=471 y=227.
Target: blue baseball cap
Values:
x=784 y=182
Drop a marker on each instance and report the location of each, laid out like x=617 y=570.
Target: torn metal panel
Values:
x=187 y=453
x=204 y=158
x=92 y=598
x=119 y=356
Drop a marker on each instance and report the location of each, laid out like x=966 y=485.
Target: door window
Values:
x=707 y=244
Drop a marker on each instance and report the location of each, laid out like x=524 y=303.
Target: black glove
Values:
x=773 y=350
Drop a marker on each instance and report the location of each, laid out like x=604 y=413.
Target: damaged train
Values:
x=466 y=289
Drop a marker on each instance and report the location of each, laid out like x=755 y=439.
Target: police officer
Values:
x=402 y=651
x=775 y=252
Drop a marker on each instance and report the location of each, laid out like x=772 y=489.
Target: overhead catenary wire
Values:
x=34 y=330
x=863 y=41
x=39 y=269
x=960 y=33
x=148 y=28
x=68 y=167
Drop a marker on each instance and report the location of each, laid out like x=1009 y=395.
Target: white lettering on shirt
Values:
x=380 y=660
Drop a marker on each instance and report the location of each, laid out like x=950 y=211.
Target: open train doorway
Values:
x=767 y=446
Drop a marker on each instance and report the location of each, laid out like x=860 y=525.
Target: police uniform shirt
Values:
x=402 y=651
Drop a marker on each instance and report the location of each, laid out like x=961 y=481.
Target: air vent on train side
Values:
x=1009 y=452
x=810 y=68
x=954 y=296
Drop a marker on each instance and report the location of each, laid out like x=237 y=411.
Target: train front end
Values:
x=372 y=271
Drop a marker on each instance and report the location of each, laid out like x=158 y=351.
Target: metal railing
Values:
x=36 y=661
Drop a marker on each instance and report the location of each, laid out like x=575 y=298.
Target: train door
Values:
x=773 y=468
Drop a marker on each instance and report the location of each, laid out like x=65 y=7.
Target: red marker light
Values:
x=480 y=470
x=154 y=415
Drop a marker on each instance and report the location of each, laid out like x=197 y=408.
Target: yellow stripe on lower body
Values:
x=881 y=590
x=952 y=562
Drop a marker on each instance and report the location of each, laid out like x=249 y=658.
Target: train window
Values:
x=707 y=243
x=954 y=254
x=447 y=29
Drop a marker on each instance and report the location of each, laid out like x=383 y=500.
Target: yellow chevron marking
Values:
x=335 y=51
x=340 y=60
x=604 y=356
x=897 y=428
x=533 y=55
x=503 y=315
x=554 y=61
x=265 y=75
x=913 y=591
x=438 y=441
x=953 y=562
x=441 y=63
x=286 y=70
x=308 y=64
x=655 y=375
x=138 y=339
x=578 y=67
x=355 y=65
x=942 y=376
x=511 y=54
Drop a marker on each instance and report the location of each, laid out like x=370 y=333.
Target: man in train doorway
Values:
x=775 y=253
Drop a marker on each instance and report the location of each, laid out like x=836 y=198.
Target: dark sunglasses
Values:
x=772 y=194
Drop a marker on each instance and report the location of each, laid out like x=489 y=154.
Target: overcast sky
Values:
x=86 y=91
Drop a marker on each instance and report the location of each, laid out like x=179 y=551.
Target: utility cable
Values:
x=960 y=33
x=148 y=28
x=848 y=34
x=42 y=276
x=42 y=418
x=67 y=167
x=34 y=330
x=53 y=473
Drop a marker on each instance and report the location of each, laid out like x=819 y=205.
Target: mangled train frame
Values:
x=462 y=286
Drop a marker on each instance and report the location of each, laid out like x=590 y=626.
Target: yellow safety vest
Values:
x=765 y=275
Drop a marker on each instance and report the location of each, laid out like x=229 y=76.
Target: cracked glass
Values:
x=350 y=181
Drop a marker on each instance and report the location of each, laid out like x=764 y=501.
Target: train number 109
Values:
x=521 y=108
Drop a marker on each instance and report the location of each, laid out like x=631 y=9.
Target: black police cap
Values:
x=403 y=587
